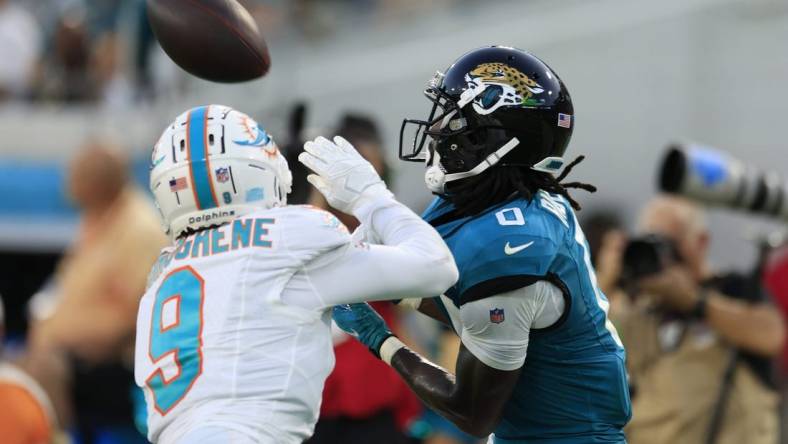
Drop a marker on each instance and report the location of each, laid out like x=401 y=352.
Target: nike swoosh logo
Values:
x=509 y=250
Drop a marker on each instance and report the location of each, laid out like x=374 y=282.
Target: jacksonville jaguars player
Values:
x=500 y=123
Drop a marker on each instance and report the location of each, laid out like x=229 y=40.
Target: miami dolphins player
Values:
x=233 y=333
x=539 y=362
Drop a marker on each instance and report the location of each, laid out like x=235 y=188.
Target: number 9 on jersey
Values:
x=176 y=338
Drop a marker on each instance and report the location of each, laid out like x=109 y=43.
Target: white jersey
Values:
x=215 y=342
x=233 y=332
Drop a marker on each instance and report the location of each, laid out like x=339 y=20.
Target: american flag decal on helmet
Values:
x=564 y=120
x=178 y=184
x=497 y=315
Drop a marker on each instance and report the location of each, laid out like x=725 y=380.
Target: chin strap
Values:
x=488 y=162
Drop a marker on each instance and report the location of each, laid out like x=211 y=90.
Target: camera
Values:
x=646 y=256
x=713 y=177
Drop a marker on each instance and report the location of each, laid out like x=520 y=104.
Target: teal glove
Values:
x=363 y=323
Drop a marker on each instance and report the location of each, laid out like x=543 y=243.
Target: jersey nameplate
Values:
x=552 y=205
x=241 y=233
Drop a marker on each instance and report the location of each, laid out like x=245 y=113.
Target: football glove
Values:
x=363 y=323
x=346 y=179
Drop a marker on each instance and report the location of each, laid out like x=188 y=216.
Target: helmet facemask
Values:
x=458 y=146
x=445 y=119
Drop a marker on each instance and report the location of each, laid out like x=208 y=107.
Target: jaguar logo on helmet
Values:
x=503 y=86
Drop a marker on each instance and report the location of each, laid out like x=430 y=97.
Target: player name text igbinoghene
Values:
x=241 y=233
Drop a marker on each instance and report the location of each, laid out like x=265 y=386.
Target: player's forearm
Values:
x=376 y=273
x=435 y=386
x=413 y=261
x=395 y=224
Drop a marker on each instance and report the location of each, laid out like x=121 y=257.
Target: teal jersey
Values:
x=573 y=387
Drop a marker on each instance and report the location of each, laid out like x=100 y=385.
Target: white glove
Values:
x=346 y=179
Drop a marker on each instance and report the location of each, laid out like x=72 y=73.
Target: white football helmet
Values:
x=214 y=164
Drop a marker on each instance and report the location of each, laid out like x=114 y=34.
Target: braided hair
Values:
x=188 y=231
x=475 y=194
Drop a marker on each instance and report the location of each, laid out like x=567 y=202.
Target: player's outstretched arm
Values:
x=473 y=399
x=413 y=260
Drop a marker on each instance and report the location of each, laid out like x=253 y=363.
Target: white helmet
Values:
x=214 y=164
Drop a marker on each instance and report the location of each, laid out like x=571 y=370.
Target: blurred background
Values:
x=82 y=73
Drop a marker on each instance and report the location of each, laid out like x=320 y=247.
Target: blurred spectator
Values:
x=85 y=62
x=596 y=226
x=698 y=344
x=293 y=146
x=776 y=280
x=113 y=88
x=364 y=400
x=363 y=133
x=103 y=15
x=81 y=347
x=63 y=76
x=20 y=41
x=606 y=241
x=28 y=416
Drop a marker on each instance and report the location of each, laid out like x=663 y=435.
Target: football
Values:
x=216 y=40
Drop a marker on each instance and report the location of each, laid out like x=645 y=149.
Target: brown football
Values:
x=216 y=40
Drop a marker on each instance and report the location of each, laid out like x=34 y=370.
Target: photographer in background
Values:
x=698 y=345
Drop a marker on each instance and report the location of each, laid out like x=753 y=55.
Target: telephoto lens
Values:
x=713 y=177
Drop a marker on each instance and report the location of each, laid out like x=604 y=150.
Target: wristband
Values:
x=391 y=345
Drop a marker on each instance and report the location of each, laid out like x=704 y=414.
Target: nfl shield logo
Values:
x=222 y=175
x=497 y=315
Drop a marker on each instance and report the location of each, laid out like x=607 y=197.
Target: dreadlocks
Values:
x=188 y=231
x=474 y=195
